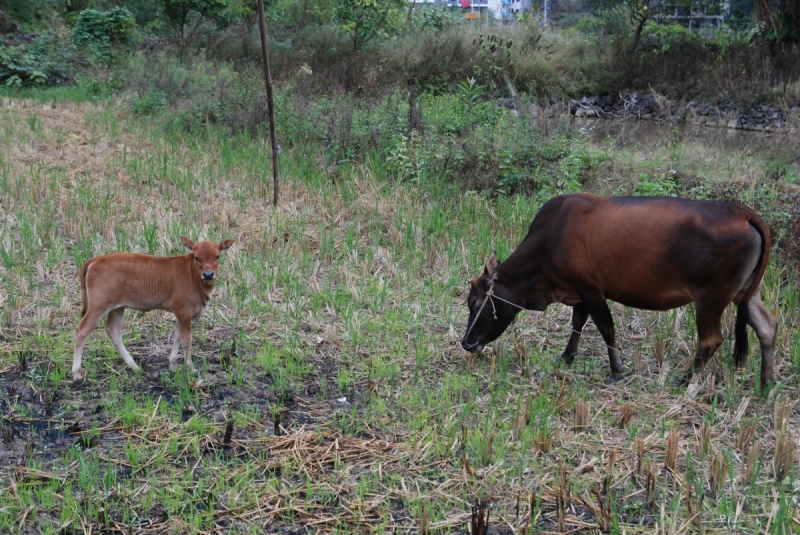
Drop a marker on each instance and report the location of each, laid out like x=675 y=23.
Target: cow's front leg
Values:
x=579 y=317
x=595 y=303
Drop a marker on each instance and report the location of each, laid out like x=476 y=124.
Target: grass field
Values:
x=333 y=395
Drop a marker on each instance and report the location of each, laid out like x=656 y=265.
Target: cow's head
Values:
x=206 y=258
x=488 y=316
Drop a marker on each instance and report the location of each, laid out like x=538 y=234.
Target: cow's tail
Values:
x=740 y=331
x=84 y=294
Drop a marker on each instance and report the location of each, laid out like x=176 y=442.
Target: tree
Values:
x=364 y=20
x=778 y=21
x=305 y=12
x=179 y=12
x=640 y=12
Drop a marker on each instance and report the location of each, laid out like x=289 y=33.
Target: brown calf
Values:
x=654 y=253
x=180 y=284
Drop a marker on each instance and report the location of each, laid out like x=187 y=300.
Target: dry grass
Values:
x=334 y=396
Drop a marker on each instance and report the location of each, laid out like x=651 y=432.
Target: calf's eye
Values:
x=196 y=259
x=217 y=257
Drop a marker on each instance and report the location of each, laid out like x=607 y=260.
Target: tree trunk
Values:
x=638 y=34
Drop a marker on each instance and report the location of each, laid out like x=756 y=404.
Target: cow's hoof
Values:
x=565 y=359
x=615 y=378
x=685 y=379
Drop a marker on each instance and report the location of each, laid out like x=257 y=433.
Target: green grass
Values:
x=336 y=323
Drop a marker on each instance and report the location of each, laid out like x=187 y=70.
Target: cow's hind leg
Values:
x=766 y=328
x=114 y=330
x=709 y=335
x=579 y=317
x=87 y=324
x=597 y=307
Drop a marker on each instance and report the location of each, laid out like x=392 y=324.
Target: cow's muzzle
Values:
x=475 y=347
x=208 y=276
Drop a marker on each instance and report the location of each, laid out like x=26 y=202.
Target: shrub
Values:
x=20 y=66
x=50 y=59
x=102 y=30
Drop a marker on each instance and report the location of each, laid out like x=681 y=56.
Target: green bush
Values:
x=49 y=60
x=661 y=38
x=102 y=30
x=19 y=66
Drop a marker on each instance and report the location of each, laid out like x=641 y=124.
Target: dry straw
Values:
x=672 y=450
x=581 y=415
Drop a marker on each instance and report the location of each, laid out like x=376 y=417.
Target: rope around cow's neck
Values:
x=490 y=295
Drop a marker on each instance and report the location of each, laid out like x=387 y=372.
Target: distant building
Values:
x=497 y=9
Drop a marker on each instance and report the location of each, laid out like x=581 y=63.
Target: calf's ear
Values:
x=187 y=242
x=491 y=266
x=225 y=244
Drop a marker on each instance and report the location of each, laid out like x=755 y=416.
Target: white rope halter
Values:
x=490 y=296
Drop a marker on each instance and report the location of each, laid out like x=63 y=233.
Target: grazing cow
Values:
x=180 y=284
x=654 y=253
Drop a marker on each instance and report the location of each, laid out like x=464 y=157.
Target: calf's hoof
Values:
x=78 y=378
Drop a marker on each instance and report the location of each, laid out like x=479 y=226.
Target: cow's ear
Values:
x=225 y=244
x=490 y=269
x=187 y=242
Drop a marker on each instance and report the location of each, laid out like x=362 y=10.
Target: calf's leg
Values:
x=597 y=307
x=766 y=328
x=87 y=324
x=579 y=317
x=184 y=328
x=114 y=330
x=176 y=344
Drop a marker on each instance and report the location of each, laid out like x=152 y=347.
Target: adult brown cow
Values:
x=654 y=253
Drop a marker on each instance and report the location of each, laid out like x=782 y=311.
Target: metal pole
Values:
x=262 y=26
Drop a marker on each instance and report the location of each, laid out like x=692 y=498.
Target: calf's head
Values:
x=206 y=258
x=488 y=315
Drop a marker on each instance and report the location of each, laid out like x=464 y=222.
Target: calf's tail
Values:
x=84 y=295
x=743 y=314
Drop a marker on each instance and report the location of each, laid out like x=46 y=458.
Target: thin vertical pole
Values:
x=262 y=26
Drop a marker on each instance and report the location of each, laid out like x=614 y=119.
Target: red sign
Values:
x=466 y=4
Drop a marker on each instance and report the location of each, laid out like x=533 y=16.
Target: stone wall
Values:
x=646 y=106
